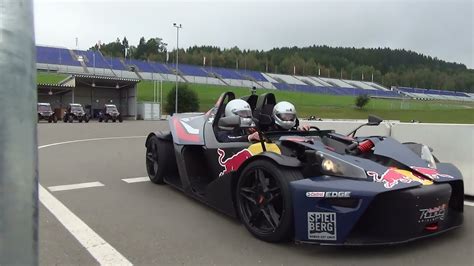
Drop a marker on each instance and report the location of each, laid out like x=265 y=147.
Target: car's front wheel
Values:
x=159 y=158
x=264 y=201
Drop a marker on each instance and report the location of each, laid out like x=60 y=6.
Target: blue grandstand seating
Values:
x=93 y=59
x=115 y=63
x=257 y=76
x=334 y=90
x=190 y=70
x=52 y=55
x=143 y=66
x=160 y=68
x=224 y=72
x=432 y=92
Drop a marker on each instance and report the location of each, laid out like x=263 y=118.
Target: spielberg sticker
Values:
x=322 y=226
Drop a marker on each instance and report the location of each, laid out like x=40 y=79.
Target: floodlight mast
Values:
x=177 y=59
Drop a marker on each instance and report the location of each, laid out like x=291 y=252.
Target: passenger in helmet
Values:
x=240 y=108
x=284 y=115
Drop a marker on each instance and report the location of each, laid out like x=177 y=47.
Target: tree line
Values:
x=389 y=67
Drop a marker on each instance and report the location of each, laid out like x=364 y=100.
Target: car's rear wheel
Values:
x=264 y=200
x=159 y=158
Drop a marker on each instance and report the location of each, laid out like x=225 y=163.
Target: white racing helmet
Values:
x=240 y=108
x=284 y=114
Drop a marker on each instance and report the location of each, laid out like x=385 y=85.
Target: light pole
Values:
x=177 y=52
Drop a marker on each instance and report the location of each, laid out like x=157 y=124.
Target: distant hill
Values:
x=389 y=67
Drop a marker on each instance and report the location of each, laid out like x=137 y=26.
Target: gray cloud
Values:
x=442 y=29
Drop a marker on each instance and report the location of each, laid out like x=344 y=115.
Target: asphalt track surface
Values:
x=151 y=224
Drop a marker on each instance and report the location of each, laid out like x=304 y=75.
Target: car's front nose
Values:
x=367 y=213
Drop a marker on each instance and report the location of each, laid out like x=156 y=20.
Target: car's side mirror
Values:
x=374 y=120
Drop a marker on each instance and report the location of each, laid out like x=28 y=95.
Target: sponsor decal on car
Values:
x=328 y=194
x=322 y=226
x=394 y=176
x=237 y=159
x=234 y=162
x=430 y=172
x=432 y=214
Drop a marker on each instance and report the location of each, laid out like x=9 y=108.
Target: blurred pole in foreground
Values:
x=18 y=143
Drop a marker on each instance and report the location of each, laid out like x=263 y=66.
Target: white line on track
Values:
x=86 y=140
x=102 y=251
x=75 y=186
x=469 y=203
x=136 y=179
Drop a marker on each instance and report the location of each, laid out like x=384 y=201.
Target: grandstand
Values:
x=63 y=60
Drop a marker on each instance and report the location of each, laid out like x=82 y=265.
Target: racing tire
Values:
x=159 y=159
x=264 y=201
x=70 y=119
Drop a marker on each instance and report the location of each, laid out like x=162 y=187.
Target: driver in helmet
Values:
x=240 y=108
x=284 y=115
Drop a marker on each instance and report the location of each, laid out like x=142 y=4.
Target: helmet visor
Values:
x=244 y=113
x=287 y=117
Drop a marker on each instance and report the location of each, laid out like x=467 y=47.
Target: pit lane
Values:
x=150 y=224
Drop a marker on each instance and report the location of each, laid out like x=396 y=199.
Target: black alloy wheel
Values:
x=155 y=158
x=264 y=201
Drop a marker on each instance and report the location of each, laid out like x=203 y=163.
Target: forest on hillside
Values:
x=390 y=67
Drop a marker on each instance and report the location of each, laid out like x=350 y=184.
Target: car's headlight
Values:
x=428 y=156
x=332 y=165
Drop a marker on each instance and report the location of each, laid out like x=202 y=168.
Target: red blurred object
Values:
x=431 y=227
x=365 y=146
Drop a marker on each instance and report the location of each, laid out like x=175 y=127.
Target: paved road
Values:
x=151 y=224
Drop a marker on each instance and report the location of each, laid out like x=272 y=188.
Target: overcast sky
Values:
x=442 y=29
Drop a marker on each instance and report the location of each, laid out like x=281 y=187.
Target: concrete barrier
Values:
x=453 y=143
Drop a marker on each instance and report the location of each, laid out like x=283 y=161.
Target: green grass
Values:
x=336 y=107
x=49 y=78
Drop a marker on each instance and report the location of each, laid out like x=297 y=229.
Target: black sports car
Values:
x=314 y=186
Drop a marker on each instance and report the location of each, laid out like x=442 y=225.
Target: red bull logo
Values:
x=430 y=173
x=234 y=162
x=390 y=178
x=394 y=176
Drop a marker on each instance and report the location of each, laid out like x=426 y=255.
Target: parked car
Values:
x=75 y=112
x=110 y=112
x=46 y=113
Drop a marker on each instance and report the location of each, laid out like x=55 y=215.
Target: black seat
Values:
x=264 y=106
x=252 y=101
